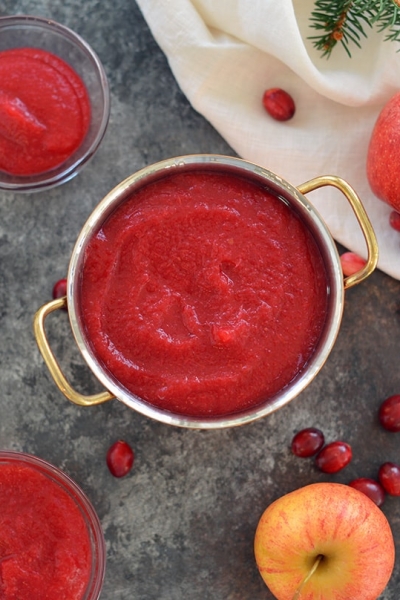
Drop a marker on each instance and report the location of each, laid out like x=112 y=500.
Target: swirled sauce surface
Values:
x=44 y=111
x=203 y=294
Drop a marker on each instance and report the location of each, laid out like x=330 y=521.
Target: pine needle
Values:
x=346 y=21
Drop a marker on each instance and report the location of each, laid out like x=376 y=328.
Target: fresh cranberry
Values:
x=120 y=458
x=307 y=442
x=389 y=476
x=60 y=289
x=334 y=457
x=394 y=220
x=389 y=413
x=279 y=104
x=370 y=488
x=351 y=263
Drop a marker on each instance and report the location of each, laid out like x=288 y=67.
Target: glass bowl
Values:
x=25 y=31
x=64 y=491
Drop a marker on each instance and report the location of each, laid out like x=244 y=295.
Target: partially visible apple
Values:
x=383 y=162
x=335 y=522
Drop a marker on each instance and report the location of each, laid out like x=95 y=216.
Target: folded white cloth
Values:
x=226 y=53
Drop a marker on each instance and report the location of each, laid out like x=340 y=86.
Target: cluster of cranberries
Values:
x=329 y=458
x=333 y=457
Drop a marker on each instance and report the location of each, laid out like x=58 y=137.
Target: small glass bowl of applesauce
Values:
x=54 y=103
x=52 y=543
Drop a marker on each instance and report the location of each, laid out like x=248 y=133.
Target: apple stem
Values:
x=307 y=577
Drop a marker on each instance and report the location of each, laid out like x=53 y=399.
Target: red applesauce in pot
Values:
x=203 y=293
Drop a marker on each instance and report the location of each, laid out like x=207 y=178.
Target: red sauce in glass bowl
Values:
x=45 y=547
x=203 y=294
x=44 y=111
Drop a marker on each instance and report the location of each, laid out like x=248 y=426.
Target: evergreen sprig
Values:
x=345 y=21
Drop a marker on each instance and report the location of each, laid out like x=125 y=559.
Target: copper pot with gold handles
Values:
x=295 y=197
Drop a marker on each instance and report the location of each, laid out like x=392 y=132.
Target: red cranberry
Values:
x=60 y=289
x=307 y=442
x=120 y=458
x=370 y=488
x=389 y=476
x=351 y=263
x=394 y=220
x=334 y=457
x=279 y=104
x=389 y=413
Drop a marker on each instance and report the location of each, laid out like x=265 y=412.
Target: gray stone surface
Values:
x=181 y=525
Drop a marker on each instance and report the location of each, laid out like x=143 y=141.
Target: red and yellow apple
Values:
x=383 y=165
x=335 y=524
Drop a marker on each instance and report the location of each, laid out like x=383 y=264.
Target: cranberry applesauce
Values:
x=203 y=293
x=44 y=111
x=45 y=547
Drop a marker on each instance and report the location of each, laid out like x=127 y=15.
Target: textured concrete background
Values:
x=181 y=525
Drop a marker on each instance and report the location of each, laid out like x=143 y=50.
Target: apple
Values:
x=383 y=165
x=324 y=541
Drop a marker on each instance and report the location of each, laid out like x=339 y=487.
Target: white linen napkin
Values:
x=226 y=53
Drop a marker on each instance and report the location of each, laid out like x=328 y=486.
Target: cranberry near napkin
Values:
x=226 y=53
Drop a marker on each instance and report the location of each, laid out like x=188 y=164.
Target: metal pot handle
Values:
x=51 y=361
x=362 y=218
